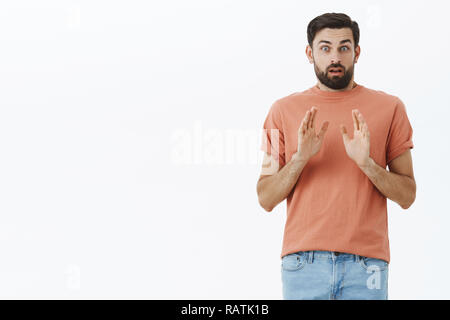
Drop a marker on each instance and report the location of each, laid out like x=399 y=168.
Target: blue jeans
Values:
x=329 y=275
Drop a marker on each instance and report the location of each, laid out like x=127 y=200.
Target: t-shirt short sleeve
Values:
x=273 y=135
x=400 y=133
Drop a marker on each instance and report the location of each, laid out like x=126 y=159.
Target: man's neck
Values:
x=350 y=86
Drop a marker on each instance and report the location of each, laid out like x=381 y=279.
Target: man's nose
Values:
x=335 y=61
x=335 y=58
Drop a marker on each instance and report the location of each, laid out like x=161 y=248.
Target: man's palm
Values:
x=309 y=142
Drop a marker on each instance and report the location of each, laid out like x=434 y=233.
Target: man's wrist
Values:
x=297 y=157
x=368 y=165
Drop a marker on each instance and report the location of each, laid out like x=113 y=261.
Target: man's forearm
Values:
x=398 y=188
x=275 y=188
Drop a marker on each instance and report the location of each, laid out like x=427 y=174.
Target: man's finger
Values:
x=313 y=116
x=366 y=130
x=306 y=119
x=308 y=123
x=344 y=133
x=323 y=129
x=303 y=126
x=355 y=120
x=363 y=124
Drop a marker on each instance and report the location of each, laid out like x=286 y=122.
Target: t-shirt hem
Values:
x=349 y=251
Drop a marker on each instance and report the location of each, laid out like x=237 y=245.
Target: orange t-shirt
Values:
x=334 y=206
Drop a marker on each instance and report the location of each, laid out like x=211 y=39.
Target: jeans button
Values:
x=336 y=253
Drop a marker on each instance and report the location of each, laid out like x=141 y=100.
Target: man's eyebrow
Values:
x=326 y=41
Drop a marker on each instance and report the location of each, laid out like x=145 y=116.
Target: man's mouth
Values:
x=336 y=71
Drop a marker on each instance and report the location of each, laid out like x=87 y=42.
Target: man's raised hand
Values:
x=309 y=142
x=358 y=148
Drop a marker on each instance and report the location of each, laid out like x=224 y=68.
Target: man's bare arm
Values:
x=274 y=188
x=398 y=186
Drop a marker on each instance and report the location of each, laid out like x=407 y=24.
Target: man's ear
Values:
x=308 y=52
x=357 y=53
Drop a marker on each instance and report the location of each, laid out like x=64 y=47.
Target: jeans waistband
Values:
x=334 y=255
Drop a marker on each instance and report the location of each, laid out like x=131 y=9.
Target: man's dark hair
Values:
x=332 y=21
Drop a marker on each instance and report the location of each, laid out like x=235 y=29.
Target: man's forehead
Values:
x=334 y=36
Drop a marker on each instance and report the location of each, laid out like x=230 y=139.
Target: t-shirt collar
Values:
x=337 y=94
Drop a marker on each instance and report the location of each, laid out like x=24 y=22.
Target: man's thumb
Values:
x=344 y=132
x=323 y=129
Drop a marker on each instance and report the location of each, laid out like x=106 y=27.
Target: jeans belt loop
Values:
x=310 y=256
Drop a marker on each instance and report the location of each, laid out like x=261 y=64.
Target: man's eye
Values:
x=345 y=48
x=325 y=48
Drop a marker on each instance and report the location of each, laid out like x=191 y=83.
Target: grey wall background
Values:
x=129 y=138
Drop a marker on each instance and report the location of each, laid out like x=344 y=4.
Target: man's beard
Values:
x=335 y=82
